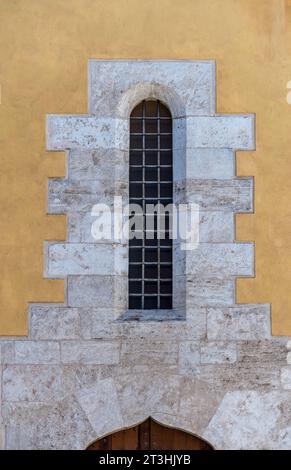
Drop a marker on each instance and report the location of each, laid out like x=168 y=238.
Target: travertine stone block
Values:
x=54 y=322
x=238 y=322
x=86 y=132
x=234 y=195
x=80 y=258
x=37 y=352
x=101 y=291
x=90 y=352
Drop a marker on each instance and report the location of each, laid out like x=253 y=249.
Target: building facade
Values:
x=90 y=366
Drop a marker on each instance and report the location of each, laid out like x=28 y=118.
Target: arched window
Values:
x=151 y=183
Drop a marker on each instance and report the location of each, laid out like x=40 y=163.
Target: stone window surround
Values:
x=195 y=126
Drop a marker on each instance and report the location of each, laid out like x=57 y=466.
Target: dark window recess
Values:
x=151 y=182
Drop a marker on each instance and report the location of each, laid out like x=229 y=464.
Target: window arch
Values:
x=151 y=183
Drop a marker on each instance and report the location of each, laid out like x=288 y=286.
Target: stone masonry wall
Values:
x=84 y=372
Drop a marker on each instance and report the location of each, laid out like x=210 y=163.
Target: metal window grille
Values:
x=151 y=182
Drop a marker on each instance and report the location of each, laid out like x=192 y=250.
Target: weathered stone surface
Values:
x=238 y=322
x=142 y=395
x=245 y=420
x=85 y=132
x=210 y=163
x=235 y=195
x=37 y=352
x=67 y=196
x=98 y=165
x=195 y=396
x=218 y=353
x=33 y=383
x=216 y=226
x=80 y=258
x=147 y=351
x=7 y=354
x=209 y=291
x=220 y=260
x=229 y=131
x=100 y=404
x=104 y=291
x=286 y=378
x=186 y=86
x=54 y=322
x=51 y=431
x=90 y=352
x=189 y=358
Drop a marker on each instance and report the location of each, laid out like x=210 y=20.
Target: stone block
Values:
x=220 y=260
x=103 y=291
x=210 y=163
x=98 y=165
x=189 y=358
x=187 y=87
x=218 y=353
x=54 y=322
x=233 y=195
x=146 y=351
x=67 y=196
x=209 y=291
x=33 y=383
x=39 y=426
x=216 y=227
x=240 y=322
x=37 y=352
x=85 y=132
x=234 y=132
x=286 y=378
x=86 y=258
x=101 y=407
x=90 y=352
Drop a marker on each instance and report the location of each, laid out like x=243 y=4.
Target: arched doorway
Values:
x=150 y=435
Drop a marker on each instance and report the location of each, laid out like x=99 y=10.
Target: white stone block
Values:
x=216 y=226
x=218 y=353
x=86 y=132
x=219 y=260
x=146 y=351
x=187 y=87
x=286 y=378
x=33 y=383
x=37 y=352
x=189 y=358
x=81 y=258
x=240 y=322
x=210 y=163
x=101 y=291
x=209 y=291
x=233 y=195
x=100 y=404
x=67 y=196
x=90 y=352
x=52 y=322
x=234 y=132
x=245 y=420
x=98 y=165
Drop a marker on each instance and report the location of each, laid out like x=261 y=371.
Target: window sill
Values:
x=153 y=315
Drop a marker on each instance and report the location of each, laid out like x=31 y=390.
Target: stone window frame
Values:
x=188 y=89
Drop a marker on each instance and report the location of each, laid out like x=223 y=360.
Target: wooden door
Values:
x=150 y=435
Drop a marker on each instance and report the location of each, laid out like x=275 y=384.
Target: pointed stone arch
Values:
x=150 y=435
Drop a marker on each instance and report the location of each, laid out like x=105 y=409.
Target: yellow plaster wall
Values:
x=44 y=49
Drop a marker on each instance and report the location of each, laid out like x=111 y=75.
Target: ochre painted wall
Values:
x=44 y=49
